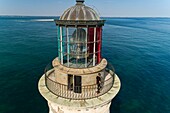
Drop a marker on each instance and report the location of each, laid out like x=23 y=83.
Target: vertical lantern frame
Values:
x=79 y=44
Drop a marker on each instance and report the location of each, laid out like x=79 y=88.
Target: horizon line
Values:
x=101 y=16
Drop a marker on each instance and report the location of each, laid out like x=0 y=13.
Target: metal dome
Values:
x=80 y=12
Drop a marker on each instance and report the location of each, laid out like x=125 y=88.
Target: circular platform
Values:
x=88 y=103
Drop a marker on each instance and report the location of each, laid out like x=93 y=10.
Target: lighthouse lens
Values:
x=78 y=43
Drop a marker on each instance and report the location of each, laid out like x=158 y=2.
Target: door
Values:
x=77 y=84
x=70 y=82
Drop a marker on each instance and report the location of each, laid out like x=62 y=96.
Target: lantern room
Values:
x=79 y=37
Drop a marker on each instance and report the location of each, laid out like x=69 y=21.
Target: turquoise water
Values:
x=139 y=49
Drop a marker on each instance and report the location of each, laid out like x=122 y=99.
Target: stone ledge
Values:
x=83 y=71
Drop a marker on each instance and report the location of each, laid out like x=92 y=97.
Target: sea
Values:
x=138 y=48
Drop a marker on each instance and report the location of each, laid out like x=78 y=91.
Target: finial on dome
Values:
x=82 y=1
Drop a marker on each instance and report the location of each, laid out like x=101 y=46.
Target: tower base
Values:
x=54 y=108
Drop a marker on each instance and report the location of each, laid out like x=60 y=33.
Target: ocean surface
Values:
x=138 y=48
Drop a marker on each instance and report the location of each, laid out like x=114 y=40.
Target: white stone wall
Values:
x=61 y=78
x=54 y=108
x=89 y=79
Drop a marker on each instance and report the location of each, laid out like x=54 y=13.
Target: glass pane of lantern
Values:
x=98 y=33
x=81 y=63
x=71 y=31
x=61 y=39
x=64 y=33
x=64 y=47
x=90 y=60
x=90 y=47
x=78 y=47
x=59 y=56
x=72 y=62
x=98 y=46
x=65 y=59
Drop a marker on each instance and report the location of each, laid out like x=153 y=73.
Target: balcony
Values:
x=87 y=91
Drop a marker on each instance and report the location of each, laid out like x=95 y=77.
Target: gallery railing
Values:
x=86 y=92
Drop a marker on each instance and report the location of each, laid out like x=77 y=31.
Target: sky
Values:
x=106 y=8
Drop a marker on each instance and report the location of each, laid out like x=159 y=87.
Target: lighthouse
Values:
x=79 y=79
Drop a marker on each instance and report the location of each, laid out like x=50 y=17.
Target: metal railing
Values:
x=84 y=92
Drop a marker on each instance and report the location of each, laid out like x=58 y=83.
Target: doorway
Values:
x=98 y=82
x=77 y=84
x=70 y=82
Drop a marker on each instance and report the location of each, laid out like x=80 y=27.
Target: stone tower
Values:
x=79 y=80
